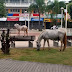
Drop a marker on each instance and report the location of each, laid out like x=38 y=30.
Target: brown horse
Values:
x=21 y=28
x=58 y=34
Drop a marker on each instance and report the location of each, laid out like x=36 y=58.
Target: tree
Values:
x=55 y=7
x=69 y=8
x=2 y=9
x=39 y=6
x=61 y=4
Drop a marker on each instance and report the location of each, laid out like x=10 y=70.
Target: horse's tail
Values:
x=65 y=41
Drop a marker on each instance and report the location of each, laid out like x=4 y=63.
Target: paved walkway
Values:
x=24 y=66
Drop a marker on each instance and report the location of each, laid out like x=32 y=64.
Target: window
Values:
x=11 y=10
x=14 y=1
x=6 y=1
x=18 y=10
x=14 y=10
x=30 y=1
x=25 y=1
x=23 y=10
x=22 y=1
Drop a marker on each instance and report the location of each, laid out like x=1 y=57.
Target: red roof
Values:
x=15 y=14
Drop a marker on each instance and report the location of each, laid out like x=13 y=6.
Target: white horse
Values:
x=58 y=34
x=21 y=28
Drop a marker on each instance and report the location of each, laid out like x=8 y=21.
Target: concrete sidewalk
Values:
x=8 y=65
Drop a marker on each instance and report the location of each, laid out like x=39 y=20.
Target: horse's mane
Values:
x=41 y=34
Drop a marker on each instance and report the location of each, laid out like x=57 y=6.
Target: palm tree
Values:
x=61 y=4
x=69 y=8
x=39 y=6
x=55 y=7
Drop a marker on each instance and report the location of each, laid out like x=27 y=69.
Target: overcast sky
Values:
x=61 y=0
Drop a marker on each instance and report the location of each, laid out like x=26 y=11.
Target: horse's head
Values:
x=16 y=25
x=38 y=45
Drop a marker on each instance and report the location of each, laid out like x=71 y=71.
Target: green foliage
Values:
x=39 y=6
x=69 y=9
x=55 y=6
x=2 y=9
x=49 y=7
x=61 y=4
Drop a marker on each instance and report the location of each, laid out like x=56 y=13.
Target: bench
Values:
x=30 y=39
x=55 y=43
x=69 y=41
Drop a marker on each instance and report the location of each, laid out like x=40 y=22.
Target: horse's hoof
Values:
x=60 y=50
x=63 y=49
x=43 y=49
x=48 y=49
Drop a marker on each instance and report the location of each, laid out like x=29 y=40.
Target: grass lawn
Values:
x=53 y=56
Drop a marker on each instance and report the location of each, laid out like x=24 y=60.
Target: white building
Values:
x=18 y=6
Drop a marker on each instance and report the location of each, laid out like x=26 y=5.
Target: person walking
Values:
x=54 y=27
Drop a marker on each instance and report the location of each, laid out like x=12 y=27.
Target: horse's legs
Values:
x=64 y=47
x=24 y=33
x=61 y=45
x=48 y=45
x=44 y=44
x=18 y=32
x=27 y=32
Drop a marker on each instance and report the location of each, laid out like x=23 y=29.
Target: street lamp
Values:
x=62 y=16
x=25 y=17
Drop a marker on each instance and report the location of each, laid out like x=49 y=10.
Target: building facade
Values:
x=18 y=6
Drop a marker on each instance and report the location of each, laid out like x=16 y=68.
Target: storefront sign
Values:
x=3 y=19
x=47 y=20
x=36 y=19
x=35 y=14
x=24 y=18
x=12 y=19
x=11 y=14
x=24 y=15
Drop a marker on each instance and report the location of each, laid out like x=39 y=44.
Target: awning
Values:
x=15 y=14
x=23 y=19
x=35 y=14
x=3 y=19
x=11 y=14
x=12 y=19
